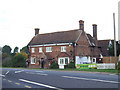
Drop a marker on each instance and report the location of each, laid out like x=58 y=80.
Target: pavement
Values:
x=50 y=79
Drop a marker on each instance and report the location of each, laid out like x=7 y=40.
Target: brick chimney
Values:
x=81 y=25
x=95 y=32
x=36 y=31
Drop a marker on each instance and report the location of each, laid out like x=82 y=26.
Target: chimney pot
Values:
x=81 y=25
x=36 y=31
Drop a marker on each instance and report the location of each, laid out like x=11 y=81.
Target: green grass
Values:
x=86 y=70
x=73 y=69
x=101 y=70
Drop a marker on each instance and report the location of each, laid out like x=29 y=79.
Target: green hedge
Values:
x=7 y=63
x=70 y=65
x=119 y=65
x=54 y=65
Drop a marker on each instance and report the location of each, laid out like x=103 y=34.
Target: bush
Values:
x=119 y=65
x=54 y=65
x=7 y=63
x=70 y=65
x=19 y=60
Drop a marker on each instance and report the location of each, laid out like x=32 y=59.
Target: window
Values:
x=93 y=60
x=33 y=60
x=33 y=50
x=63 y=61
x=48 y=49
x=63 y=49
x=66 y=60
x=40 y=49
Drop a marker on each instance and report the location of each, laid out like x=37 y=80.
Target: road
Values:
x=26 y=78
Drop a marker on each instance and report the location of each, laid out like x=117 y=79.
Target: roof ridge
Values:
x=59 y=32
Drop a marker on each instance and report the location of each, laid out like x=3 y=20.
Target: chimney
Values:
x=81 y=25
x=36 y=31
x=95 y=33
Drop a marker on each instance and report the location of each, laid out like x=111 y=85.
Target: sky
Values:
x=18 y=18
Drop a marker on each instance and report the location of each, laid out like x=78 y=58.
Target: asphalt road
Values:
x=25 y=78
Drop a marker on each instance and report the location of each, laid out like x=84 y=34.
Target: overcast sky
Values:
x=18 y=18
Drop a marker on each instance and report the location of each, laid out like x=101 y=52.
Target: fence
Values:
x=96 y=66
x=110 y=59
x=106 y=66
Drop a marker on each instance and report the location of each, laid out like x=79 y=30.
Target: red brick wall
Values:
x=56 y=52
x=83 y=48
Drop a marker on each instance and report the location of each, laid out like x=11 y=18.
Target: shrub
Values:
x=19 y=60
x=119 y=65
x=7 y=63
x=54 y=65
x=71 y=65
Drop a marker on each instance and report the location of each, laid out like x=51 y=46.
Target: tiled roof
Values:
x=56 y=37
x=91 y=40
x=103 y=44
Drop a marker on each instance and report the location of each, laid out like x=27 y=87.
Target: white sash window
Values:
x=48 y=49
x=63 y=48
x=33 y=60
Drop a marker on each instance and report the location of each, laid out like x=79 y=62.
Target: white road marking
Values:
x=9 y=81
x=17 y=83
x=30 y=73
x=4 y=79
x=2 y=75
x=19 y=71
x=111 y=74
x=91 y=79
x=28 y=86
x=6 y=72
x=38 y=71
x=42 y=74
x=48 y=86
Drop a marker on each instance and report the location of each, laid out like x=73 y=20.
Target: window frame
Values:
x=63 y=48
x=40 y=49
x=93 y=60
x=32 y=50
x=48 y=49
x=63 y=62
x=31 y=60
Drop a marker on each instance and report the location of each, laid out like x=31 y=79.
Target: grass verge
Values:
x=73 y=69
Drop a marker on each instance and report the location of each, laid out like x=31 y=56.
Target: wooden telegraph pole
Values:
x=115 y=52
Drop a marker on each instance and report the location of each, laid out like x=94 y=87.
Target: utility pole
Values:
x=115 y=53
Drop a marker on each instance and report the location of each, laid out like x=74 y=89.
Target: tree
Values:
x=19 y=60
x=6 y=49
x=118 y=48
x=0 y=49
x=15 y=50
x=24 y=49
x=111 y=48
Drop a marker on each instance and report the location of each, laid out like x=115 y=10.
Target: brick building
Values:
x=63 y=47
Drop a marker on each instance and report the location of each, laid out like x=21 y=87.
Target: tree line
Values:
x=15 y=58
